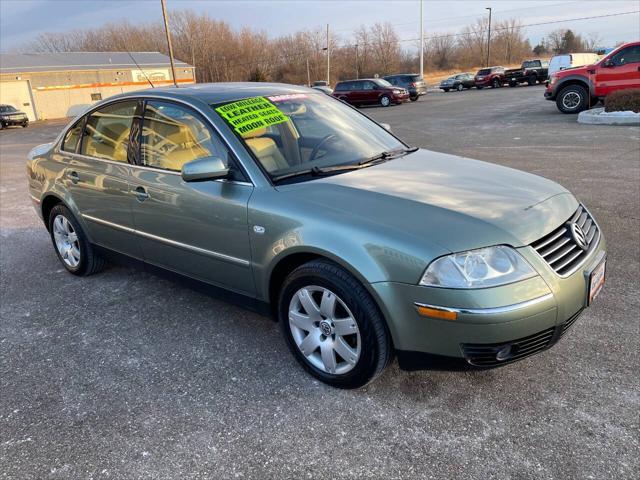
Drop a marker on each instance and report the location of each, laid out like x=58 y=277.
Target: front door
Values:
x=198 y=229
x=622 y=73
x=97 y=175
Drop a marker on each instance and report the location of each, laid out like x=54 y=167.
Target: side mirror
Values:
x=386 y=126
x=608 y=63
x=208 y=168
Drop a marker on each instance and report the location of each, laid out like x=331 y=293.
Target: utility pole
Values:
x=308 y=74
x=357 y=68
x=166 y=29
x=328 y=54
x=489 y=37
x=421 y=43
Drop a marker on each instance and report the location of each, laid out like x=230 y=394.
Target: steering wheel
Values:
x=316 y=149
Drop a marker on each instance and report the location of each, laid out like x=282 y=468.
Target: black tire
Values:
x=572 y=99
x=459 y=87
x=90 y=261
x=532 y=80
x=414 y=98
x=376 y=346
x=385 y=100
x=445 y=89
x=496 y=83
x=25 y=124
x=479 y=87
x=513 y=84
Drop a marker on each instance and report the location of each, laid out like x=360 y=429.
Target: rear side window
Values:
x=173 y=135
x=71 y=139
x=106 y=134
x=342 y=87
x=484 y=71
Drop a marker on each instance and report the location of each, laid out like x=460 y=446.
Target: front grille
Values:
x=486 y=355
x=560 y=248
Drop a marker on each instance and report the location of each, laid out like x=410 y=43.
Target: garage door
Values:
x=18 y=94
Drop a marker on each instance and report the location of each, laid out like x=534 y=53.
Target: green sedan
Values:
x=363 y=248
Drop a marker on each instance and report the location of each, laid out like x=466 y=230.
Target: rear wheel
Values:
x=414 y=98
x=512 y=84
x=532 y=80
x=459 y=87
x=333 y=326
x=385 y=101
x=479 y=87
x=72 y=246
x=572 y=99
x=25 y=124
x=496 y=83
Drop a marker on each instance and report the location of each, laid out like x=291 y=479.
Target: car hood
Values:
x=454 y=202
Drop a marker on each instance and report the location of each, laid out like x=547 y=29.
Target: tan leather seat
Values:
x=265 y=149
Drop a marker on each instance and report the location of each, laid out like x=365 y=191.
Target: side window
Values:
x=368 y=86
x=106 y=134
x=173 y=135
x=70 y=142
x=628 y=55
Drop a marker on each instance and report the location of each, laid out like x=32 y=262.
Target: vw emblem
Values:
x=578 y=236
x=325 y=328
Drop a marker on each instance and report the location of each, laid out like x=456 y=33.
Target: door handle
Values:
x=141 y=194
x=73 y=176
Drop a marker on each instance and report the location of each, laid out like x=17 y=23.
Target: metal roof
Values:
x=65 y=61
x=212 y=93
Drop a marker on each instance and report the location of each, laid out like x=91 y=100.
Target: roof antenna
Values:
x=140 y=68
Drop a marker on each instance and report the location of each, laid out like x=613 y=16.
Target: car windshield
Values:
x=7 y=109
x=294 y=133
x=484 y=71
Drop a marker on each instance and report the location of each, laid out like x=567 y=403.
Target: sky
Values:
x=23 y=20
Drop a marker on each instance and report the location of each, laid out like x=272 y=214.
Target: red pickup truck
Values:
x=576 y=89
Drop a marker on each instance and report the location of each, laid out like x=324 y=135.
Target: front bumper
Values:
x=7 y=121
x=550 y=92
x=483 y=83
x=401 y=98
x=530 y=315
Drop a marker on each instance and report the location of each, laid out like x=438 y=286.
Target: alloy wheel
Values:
x=324 y=330
x=66 y=240
x=571 y=100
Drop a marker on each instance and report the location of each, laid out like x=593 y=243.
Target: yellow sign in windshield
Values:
x=251 y=114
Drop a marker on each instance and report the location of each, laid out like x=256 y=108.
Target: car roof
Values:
x=213 y=93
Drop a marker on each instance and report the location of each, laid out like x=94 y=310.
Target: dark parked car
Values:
x=370 y=91
x=489 y=77
x=10 y=116
x=409 y=81
x=531 y=72
x=458 y=82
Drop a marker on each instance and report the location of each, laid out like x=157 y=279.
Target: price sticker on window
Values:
x=251 y=114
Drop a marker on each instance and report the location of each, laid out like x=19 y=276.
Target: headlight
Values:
x=553 y=79
x=485 y=267
x=397 y=92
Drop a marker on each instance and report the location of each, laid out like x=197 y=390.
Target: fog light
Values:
x=504 y=353
x=437 y=313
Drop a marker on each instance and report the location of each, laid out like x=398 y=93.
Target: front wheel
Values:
x=572 y=99
x=459 y=88
x=414 y=99
x=479 y=87
x=333 y=326
x=513 y=84
x=25 y=124
x=532 y=80
x=496 y=83
x=71 y=244
x=385 y=101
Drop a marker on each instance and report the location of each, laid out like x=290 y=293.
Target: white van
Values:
x=570 y=60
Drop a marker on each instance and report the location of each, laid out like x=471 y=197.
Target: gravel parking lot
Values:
x=126 y=375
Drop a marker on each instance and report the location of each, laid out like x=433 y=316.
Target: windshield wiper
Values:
x=367 y=162
x=317 y=171
x=387 y=155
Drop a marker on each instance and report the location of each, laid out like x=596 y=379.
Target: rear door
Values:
x=623 y=72
x=198 y=229
x=369 y=92
x=97 y=175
